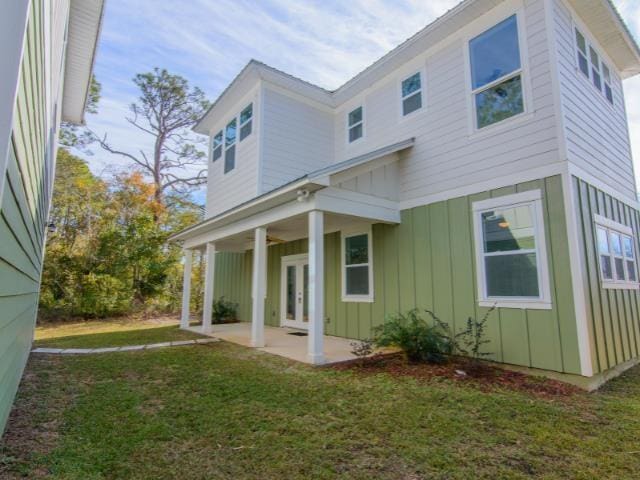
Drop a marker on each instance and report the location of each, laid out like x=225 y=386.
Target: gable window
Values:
x=496 y=73
x=616 y=254
x=510 y=251
x=230 y=146
x=217 y=146
x=592 y=67
x=246 y=122
x=412 y=94
x=357 y=275
x=355 y=124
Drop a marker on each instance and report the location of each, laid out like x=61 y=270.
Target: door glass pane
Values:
x=291 y=293
x=605 y=266
x=500 y=102
x=357 y=279
x=603 y=241
x=512 y=275
x=305 y=294
x=495 y=53
x=616 y=246
x=356 y=249
x=508 y=229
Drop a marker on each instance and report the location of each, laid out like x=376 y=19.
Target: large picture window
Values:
x=616 y=254
x=357 y=275
x=496 y=74
x=510 y=251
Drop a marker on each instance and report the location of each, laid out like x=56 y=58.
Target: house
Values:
x=483 y=162
x=46 y=51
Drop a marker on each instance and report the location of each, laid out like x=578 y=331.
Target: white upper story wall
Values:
x=596 y=130
x=297 y=137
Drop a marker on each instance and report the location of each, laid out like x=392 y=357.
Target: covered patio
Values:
x=318 y=204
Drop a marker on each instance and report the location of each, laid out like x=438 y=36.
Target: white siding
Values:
x=596 y=133
x=298 y=139
x=225 y=191
x=445 y=154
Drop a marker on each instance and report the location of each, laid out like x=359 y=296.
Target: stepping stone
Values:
x=47 y=350
x=130 y=348
x=183 y=342
x=207 y=340
x=105 y=350
x=158 y=345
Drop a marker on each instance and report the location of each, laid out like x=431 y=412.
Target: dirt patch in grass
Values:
x=483 y=376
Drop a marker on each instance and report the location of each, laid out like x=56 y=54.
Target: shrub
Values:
x=473 y=338
x=224 y=311
x=419 y=341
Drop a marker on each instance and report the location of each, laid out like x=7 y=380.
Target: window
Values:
x=592 y=67
x=496 y=73
x=357 y=278
x=230 y=146
x=511 y=257
x=246 y=121
x=411 y=94
x=355 y=122
x=616 y=254
x=217 y=146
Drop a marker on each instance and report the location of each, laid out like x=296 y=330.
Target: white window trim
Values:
x=240 y=124
x=343 y=267
x=523 y=71
x=422 y=91
x=228 y=146
x=623 y=230
x=531 y=198
x=603 y=61
x=213 y=147
x=349 y=127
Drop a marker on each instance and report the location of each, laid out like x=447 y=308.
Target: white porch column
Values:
x=316 y=287
x=186 y=289
x=259 y=287
x=209 y=275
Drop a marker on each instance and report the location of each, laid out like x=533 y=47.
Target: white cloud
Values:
x=323 y=41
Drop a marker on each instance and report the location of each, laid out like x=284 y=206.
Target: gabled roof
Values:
x=85 y=22
x=601 y=16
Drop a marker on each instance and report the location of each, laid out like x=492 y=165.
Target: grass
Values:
x=223 y=411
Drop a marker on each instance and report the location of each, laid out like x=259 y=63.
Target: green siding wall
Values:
x=613 y=316
x=428 y=261
x=23 y=218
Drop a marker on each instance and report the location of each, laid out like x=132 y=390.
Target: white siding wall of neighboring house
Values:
x=298 y=138
x=597 y=136
x=447 y=154
x=225 y=191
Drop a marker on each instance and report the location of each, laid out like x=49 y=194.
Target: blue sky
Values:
x=323 y=41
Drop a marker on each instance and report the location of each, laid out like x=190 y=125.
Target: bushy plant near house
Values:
x=420 y=341
x=224 y=311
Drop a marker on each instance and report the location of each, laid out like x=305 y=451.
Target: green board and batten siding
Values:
x=428 y=261
x=612 y=314
x=23 y=216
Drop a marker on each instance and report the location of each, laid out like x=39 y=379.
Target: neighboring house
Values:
x=46 y=56
x=485 y=161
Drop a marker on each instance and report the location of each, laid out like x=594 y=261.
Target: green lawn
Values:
x=223 y=411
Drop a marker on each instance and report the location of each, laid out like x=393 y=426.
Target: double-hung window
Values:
x=246 y=121
x=496 y=74
x=357 y=274
x=592 y=66
x=616 y=254
x=511 y=258
x=411 y=89
x=217 y=146
x=355 y=121
x=230 y=146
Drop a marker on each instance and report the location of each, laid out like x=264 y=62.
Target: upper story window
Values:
x=230 y=146
x=616 y=254
x=511 y=252
x=217 y=146
x=246 y=121
x=592 y=67
x=357 y=273
x=355 y=121
x=496 y=73
x=412 y=94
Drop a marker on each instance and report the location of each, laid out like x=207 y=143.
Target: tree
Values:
x=166 y=109
x=79 y=137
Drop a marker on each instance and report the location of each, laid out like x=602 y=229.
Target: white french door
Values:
x=295 y=291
